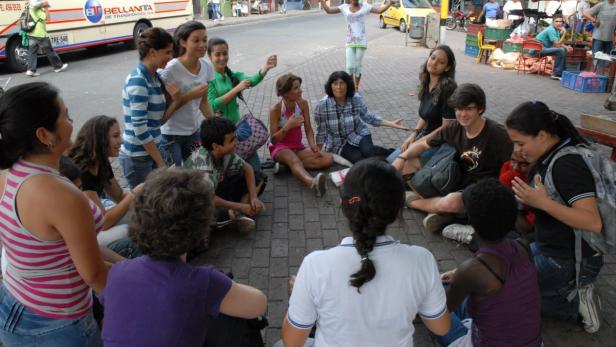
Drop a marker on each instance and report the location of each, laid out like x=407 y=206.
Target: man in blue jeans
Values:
x=552 y=39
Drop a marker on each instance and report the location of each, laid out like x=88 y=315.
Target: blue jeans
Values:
x=136 y=169
x=423 y=158
x=457 y=329
x=601 y=46
x=216 y=11
x=125 y=247
x=22 y=327
x=557 y=280
x=559 y=64
x=366 y=149
x=181 y=146
x=255 y=162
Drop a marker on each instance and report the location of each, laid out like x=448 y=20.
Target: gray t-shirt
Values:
x=606 y=13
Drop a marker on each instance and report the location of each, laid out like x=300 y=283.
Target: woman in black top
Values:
x=99 y=139
x=538 y=134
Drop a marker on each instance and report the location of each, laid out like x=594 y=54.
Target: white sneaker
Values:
x=61 y=68
x=435 y=222
x=590 y=304
x=276 y=168
x=459 y=232
x=411 y=196
x=222 y=17
x=32 y=73
x=319 y=184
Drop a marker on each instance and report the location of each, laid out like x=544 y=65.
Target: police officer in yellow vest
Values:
x=39 y=38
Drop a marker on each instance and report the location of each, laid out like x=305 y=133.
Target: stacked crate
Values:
x=472 y=47
x=509 y=47
x=575 y=58
x=497 y=36
x=573 y=80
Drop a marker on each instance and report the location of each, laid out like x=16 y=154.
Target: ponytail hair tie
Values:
x=364 y=259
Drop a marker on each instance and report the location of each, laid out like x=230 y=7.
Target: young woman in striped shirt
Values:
x=145 y=107
x=51 y=250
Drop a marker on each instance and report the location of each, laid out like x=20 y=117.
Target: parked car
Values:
x=400 y=14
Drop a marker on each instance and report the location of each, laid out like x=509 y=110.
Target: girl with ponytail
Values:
x=228 y=85
x=367 y=291
x=539 y=133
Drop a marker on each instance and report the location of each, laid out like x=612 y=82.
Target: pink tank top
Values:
x=41 y=274
x=294 y=136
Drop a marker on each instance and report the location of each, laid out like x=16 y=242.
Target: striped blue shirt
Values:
x=143 y=103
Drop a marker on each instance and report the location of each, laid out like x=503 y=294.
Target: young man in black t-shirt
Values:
x=482 y=144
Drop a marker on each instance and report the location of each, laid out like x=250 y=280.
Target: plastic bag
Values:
x=522 y=29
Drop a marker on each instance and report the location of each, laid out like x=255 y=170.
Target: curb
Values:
x=255 y=18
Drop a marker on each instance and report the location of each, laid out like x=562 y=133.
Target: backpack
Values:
x=603 y=170
x=440 y=176
x=26 y=22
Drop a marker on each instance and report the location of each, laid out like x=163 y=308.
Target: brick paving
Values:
x=296 y=223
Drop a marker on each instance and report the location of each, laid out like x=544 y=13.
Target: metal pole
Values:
x=444 y=14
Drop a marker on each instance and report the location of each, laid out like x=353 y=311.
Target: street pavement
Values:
x=296 y=223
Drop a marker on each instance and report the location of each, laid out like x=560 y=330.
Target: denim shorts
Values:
x=22 y=327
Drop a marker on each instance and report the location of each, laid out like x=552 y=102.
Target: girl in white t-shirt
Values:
x=356 y=38
x=367 y=291
x=191 y=72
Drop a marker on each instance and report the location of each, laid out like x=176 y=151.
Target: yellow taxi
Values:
x=400 y=14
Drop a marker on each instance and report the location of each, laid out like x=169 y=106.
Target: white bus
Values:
x=75 y=24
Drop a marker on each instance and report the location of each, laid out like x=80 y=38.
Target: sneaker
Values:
x=459 y=232
x=245 y=225
x=276 y=168
x=61 y=68
x=558 y=78
x=590 y=304
x=319 y=185
x=435 y=222
x=32 y=73
x=410 y=197
x=222 y=17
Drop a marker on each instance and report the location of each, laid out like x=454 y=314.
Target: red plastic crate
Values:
x=473 y=29
x=573 y=80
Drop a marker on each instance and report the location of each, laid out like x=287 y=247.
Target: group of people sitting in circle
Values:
x=68 y=228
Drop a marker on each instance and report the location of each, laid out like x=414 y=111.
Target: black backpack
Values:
x=26 y=22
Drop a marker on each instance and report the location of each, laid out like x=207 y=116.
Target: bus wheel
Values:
x=17 y=55
x=139 y=28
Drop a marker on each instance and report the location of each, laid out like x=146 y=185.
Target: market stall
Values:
x=517 y=49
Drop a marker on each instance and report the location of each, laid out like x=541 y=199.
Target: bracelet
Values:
x=416 y=130
x=402 y=157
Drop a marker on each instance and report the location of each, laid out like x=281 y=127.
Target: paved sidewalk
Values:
x=296 y=223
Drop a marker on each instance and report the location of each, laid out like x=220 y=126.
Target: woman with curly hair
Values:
x=167 y=299
x=342 y=289
x=98 y=140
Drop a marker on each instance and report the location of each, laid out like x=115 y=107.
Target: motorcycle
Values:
x=459 y=19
